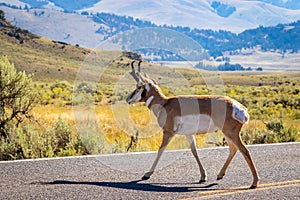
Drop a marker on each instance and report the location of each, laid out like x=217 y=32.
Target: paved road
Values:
x=118 y=176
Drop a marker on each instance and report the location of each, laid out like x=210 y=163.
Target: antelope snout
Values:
x=128 y=100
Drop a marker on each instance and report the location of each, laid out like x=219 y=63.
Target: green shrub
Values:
x=29 y=142
x=16 y=96
x=91 y=137
x=9 y=150
x=63 y=134
x=283 y=134
x=251 y=136
x=276 y=132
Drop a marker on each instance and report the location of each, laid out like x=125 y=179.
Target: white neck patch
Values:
x=149 y=100
x=147 y=87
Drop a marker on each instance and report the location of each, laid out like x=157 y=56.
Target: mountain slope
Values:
x=45 y=58
x=92 y=30
x=230 y=15
x=74 y=5
x=68 y=27
x=194 y=13
x=290 y=4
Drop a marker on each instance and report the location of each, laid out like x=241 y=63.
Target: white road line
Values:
x=139 y=153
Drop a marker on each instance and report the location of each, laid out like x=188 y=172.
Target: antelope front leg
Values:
x=192 y=142
x=166 y=140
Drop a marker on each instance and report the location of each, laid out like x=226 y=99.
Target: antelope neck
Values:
x=155 y=103
x=155 y=97
x=149 y=100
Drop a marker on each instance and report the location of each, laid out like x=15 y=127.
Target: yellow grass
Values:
x=117 y=130
x=119 y=122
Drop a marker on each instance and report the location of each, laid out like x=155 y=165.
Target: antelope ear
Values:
x=154 y=81
x=142 y=78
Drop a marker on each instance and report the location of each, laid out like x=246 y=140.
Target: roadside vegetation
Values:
x=48 y=129
x=40 y=94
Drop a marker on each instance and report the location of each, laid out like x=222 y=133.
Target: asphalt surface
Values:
x=119 y=176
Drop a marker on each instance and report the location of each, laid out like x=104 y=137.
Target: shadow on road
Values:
x=136 y=185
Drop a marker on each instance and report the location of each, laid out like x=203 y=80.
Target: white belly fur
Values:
x=192 y=124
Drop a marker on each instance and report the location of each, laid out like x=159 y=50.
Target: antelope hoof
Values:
x=202 y=181
x=219 y=178
x=253 y=186
x=147 y=176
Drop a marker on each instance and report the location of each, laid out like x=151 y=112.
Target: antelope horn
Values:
x=133 y=73
x=139 y=66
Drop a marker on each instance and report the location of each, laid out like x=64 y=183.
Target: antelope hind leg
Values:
x=232 y=152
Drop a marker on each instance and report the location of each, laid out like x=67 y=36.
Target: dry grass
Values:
x=119 y=122
x=109 y=128
x=117 y=132
x=268 y=60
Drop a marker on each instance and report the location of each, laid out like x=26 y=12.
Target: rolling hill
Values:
x=195 y=13
x=90 y=30
x=47 y=59
x=290 y=4
x=230 y=15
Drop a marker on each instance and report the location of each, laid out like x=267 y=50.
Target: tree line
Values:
x=282 y=37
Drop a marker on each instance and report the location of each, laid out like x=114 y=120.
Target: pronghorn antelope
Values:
x=195 y=114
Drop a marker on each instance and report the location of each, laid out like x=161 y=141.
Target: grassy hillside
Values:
x=52 y=60
x=273 y=99
x=39 y=55
x=45 y=58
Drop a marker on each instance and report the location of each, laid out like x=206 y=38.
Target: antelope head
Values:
x=140 y=94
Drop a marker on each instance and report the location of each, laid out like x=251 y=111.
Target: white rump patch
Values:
x=240 y=114
x=193 y=124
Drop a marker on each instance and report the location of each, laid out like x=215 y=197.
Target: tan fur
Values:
x=218 y=108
